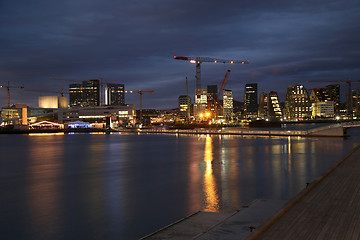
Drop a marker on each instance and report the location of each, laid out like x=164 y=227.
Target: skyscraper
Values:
x=297 y=103
x=274 y=105
x=334 y=93
x=85 y=94
x=251 y=100
x=263 y=110
x=228 y=104
x=212 y=95
x=184 y=106
x=114 y=94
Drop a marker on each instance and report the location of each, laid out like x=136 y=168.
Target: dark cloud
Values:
x=134 y=42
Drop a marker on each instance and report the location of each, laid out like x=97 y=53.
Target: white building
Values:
x=53 y=102
x=323 y=109
x=228 y=104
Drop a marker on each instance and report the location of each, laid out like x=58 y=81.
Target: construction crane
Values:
x=227 y=74
x=48 y=91
x=101 y=85
x=8 y=91
x=349 y=97
x=199 y=60
x=140 y=92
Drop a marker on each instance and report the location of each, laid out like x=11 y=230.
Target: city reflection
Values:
x=210 y=189
x=44 y=172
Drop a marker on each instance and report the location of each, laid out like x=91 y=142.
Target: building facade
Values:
x=212 y=97
x=53 y=102
x=334 y=94
x=85 y=94
x=228 y=104
x=200 y=105
x=251 y=100
x=297 y=103
x=274 y=105
x=184 y=103
x=115 y=94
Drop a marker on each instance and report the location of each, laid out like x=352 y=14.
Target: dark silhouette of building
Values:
x=251 y=100
x=85 y=94
x=184 y=106
x=334 y=93
x=212 y=95
x=115 y=95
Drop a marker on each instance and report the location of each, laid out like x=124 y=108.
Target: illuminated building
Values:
x=297 y=103
x=53 y=102
x=184 y=106
x=274 y=105
x=322 y=105
x=355 y=103
x=263 y=111
x=200 y=105
x=85 y=94
x=114 y=94
x=228 y=104
x=334 y=93
x=251 y=100
x=120 y=115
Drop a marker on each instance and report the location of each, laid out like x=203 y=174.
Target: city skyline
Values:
x=133 y=43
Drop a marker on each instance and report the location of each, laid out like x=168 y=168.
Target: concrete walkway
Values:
x=328 y=209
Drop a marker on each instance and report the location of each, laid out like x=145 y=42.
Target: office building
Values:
x=297 y=103
x=200 y=105
x=85 y=94
x=212 y=96
x=263 y=110
x=334 y=94
x=322 y=105
x=184 y=104
x=251 y=100
x=114 y=94
x=274 y=105
x=228 y=104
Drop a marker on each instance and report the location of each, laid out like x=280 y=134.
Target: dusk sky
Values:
x=134 y=42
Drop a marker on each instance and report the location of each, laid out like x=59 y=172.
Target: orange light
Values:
x=192 y=61
x=207 y=114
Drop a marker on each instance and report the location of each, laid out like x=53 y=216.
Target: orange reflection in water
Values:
x=210 y=189
x=44 y=171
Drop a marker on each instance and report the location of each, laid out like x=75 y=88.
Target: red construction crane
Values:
x=223 y=84
x=8 y=91
x=349 y=98
x=199 y=60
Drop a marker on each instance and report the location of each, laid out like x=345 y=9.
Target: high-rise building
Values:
x=334 y=93
x=263 y=110
x=251 y=100
x=212 y=95
x=228 y=104
x=200 y=105
x=85 y=94
x=355 y=101
x=322 y=104
x=297 y=103
x=184 y=106
x=274 y=105
x=114 y=94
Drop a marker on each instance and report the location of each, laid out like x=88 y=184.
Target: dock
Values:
x=329 y=208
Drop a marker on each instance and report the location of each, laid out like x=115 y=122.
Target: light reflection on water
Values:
x=86 y=186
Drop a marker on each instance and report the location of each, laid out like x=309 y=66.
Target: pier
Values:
x=327 y=208
x=332 y=130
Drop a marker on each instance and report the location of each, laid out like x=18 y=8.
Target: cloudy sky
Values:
x=133 y=42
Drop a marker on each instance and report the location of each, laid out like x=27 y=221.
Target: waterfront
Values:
x=124 y=186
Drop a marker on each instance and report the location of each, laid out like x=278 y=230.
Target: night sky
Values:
x=134 y=42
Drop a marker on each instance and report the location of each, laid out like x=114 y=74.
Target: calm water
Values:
x=87 y=186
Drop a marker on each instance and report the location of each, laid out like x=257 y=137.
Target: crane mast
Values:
x=199 y=60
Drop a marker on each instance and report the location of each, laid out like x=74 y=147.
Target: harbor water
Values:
x=125 y=186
